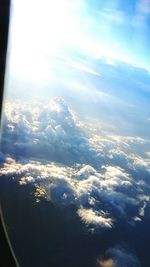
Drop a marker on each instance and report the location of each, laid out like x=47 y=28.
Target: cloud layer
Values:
x=105 y=178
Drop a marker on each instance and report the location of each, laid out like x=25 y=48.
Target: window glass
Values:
x=75 y=143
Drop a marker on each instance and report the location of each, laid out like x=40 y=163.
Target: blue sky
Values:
x=89 y=52
x=122 y=26
x=117 y=29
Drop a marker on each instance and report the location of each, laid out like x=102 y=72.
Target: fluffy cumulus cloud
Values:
x=118 y=257
x=48 y=131
x=105 y=178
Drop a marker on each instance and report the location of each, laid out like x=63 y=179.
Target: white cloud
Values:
x=69 y=163
x=81 y=67
x=51 y=130
x=89 y=216
x=142 y=209
x=83 y=187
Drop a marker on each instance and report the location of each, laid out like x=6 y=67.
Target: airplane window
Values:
x=75 y=141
